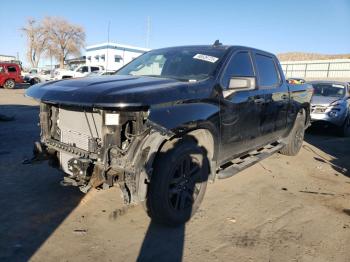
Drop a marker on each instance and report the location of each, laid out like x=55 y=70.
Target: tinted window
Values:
x=331 y=90
x=240 y=65
x=83 y=69
x=11 y=69
x=94 y=68
x=266 y=68
x=184 y=64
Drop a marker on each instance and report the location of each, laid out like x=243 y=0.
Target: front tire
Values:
x=9 y=84
x=296 y=136
x=178 y=182
x=345 y=129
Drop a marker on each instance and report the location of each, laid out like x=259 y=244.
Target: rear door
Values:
x=273 y=118
x=2 y=75
x=240 y=110
x=13 y=72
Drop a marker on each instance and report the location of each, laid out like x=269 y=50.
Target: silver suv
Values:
x=330 y=103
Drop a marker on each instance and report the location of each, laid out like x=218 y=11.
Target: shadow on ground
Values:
x=327 y=139
x=22 y=86
x=179 y=180
x=162 y=243
x=32 y=202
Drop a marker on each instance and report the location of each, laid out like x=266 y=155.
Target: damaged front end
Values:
x=100 y=147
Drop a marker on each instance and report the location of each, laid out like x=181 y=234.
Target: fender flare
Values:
x=146 y=153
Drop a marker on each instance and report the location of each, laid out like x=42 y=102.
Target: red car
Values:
x=10 y=74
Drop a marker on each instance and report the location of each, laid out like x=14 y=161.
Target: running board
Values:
x=238 y=164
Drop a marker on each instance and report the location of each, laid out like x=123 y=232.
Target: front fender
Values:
x=181 y=118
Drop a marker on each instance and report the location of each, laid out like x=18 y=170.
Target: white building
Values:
x=112 y=56
x=7 y=58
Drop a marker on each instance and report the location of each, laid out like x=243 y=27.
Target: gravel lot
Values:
x=282 y=209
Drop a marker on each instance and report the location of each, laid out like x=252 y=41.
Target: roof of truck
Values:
x=223 y=47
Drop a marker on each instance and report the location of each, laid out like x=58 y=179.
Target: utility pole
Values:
x=109 y=24
x=148 y=31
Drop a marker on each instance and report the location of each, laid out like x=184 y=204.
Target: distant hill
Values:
x=299 y=56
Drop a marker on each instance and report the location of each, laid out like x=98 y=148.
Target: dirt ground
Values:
x=282 y=209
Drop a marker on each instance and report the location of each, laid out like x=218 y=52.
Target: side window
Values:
x=117 y=58
x=83 y=69
x=11 y=69
x=2 y=70
x=267 y=71
x=94 y=68
x=239 y=65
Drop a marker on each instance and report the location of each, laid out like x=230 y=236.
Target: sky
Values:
x=318 y=26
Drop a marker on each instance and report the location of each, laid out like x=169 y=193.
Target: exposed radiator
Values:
x=76 y=129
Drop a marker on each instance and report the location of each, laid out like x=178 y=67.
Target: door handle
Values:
x=259 y=100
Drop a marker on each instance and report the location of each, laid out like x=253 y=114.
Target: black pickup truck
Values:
x=168 y=122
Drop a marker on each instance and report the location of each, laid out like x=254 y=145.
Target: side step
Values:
x=238 y=164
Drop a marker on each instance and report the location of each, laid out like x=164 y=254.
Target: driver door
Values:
x=240 y=110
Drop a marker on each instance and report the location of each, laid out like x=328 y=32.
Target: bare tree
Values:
x=65 y=39
x=37 y=38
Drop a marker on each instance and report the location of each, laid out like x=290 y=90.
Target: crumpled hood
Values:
x=116 y=91
x=323 y=100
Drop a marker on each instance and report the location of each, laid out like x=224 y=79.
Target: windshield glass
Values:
x=185 y=63
x=331 y=90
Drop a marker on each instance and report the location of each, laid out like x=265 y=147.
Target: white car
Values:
x=28 y=74
x=101 y=73
x=38 y=77
x=80 y=71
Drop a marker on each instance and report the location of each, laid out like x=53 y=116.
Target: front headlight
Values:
x=336 y=103
x=333 y=113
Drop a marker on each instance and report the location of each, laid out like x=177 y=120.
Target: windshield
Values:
x=185 y=64
x=330 y=90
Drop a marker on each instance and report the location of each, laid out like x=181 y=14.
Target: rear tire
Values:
x=34 y=81
x=9 y=84
x=178 y=182
x=296 y=136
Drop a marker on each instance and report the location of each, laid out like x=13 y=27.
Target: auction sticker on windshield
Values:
x=207 y=58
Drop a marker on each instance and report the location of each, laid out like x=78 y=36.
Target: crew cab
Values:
x=170 y=121
x=10 y=74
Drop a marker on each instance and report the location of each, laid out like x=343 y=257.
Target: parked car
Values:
x=331 y=104
x=169 y=121
x=10 y=74
x=27 y=75
x=80 y=71
x=31 y=71
x=41 y=76
x=101 y=73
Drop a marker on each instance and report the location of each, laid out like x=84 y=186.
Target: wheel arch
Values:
x=157 y=142
x=306 y=108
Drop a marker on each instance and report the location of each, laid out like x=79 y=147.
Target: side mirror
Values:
x=242 y=83
x=239 y=84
